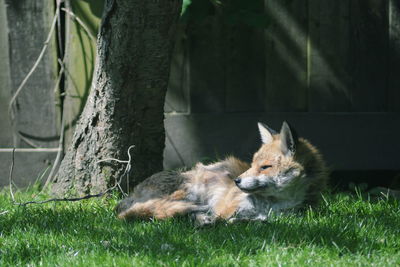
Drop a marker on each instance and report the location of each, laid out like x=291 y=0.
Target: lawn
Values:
x=346 y=230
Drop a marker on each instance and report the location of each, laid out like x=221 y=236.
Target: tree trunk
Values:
x=125 y=105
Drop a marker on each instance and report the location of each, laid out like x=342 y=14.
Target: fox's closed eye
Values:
x=264 y=167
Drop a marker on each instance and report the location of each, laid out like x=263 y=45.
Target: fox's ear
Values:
x=288 y=140
x=266 y=133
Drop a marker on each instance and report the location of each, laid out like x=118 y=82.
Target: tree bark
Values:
x=125 y=105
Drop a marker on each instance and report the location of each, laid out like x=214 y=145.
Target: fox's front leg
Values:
x=260 y=218
x=202 y=219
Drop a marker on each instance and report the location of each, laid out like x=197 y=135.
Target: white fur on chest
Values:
x=252 y=208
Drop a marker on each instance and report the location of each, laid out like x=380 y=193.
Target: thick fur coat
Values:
x=287 y=173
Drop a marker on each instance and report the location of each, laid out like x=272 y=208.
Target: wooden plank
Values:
x=177 y=98
x=207 y=65
x=348 y=141
x=6 y=132
x=245 y=69
x=286 y=55
x=329 y=56
x=29 y=24
x=369 y=47
x=81 y=58
x=24 y=174
x=394 y=52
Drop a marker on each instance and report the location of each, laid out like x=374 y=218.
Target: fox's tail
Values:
x=124 y=205
x=154 y=208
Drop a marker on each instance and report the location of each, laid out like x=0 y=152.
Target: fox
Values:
x=287 y=173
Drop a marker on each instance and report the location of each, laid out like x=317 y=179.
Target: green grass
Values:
x=346 y=230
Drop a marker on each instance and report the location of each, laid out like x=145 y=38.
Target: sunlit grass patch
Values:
x=346 y=230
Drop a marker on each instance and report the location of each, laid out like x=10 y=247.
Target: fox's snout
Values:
x=240 y=182
x=253 y=184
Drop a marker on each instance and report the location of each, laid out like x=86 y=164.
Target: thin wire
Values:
x=10 y=175
x=117 y=184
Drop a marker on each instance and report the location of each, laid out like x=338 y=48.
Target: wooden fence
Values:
x=331 y=68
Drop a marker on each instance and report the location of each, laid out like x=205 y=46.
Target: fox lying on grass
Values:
x=286 y=173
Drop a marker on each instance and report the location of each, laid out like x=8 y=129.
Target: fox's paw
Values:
x=202 y=219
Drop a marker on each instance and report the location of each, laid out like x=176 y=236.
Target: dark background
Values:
x=330 y=68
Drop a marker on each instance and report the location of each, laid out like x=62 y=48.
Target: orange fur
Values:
x=282 y=176
x=178 y=195
x=228 y=205
x=157 y=208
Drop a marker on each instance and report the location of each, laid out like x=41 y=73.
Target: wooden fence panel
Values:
x=286 y=55
x=329 y=56
x=28 y=166
x=207 y=65
x=245 y=69
x=369 y=48
x=177 y=99
x=24 y=26
x=35 y=110
x=5 y=90
x=343 y=138
x=394 y=52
